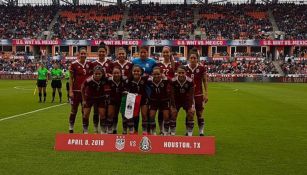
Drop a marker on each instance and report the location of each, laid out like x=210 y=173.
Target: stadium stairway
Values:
x=123 y=22
x=278 y=68
x=272 y=20
x=196 y=19
x=50 y=27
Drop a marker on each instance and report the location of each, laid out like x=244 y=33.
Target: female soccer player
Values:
x=182 y=97
x=168 y=67
x=197 y=73
x=125 y=68
x=56 y=83
x=94 y=91
x=122 y=63
x=117 y=84
x=42 y=81
x=79 y=72
x=107 y=65
x=159 y=99
x=137 y=84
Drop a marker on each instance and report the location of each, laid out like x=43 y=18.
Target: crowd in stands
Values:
x=242 y=67
x=291 y=67
x=88 y=22
x=230 y=21
x=24 y=21
x=155 y=21
x=17 y=65
x=291 y=19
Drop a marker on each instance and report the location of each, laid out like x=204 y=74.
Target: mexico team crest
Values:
x=120 y=142
x=145 y=144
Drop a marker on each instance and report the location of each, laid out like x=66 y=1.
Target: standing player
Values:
x=125 y=68
x=117 y=84
x=122 y=63
x=159 y=100
x=42 y=81
x=182 y=96
x=94 y=90
x=79 y=72
x=197 y=72
x=168 y=67
x=56 y=83
x=107 y=65
x=138 y=85
x=147 y=64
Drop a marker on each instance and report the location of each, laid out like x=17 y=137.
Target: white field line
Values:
x=31 y=112
x=21 y=88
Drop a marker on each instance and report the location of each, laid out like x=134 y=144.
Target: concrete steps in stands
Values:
x=278 y=68
x=272 y=20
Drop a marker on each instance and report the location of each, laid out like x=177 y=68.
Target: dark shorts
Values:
x=67 y=86
x=41 y=83
x=76 y=100
x=114 y=102
x=181 y=103
x=159 y=104
x=56 y=84
x=100 y=102
x=199 y=103
x=144 y=101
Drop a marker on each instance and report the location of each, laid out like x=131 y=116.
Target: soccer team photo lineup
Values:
x=153 y=87
x=141 y=86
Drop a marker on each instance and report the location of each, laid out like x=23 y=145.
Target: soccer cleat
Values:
x=114 y=131
x=186 y=134
x=71 y=131
x=201 y=135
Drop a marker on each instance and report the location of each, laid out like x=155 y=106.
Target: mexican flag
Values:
x=130 y=105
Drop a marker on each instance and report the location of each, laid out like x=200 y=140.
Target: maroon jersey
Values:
x=107 y=65
x=161 y=90
x=167 y=69
x=197 y=75
x=183 y=92
x=92 y=89
x=79 y=72
x=139 y=87
x=125 y=68
x=116 y=89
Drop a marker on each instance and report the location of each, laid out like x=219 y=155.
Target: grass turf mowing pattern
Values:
x=259 y=129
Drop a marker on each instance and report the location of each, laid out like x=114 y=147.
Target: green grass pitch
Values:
x=259 y=129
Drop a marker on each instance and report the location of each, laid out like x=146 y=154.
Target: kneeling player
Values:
x=117 y=84
x=182 y=96
x=93 y=92
x=159 y=99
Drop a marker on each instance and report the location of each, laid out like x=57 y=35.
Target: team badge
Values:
x=127 y=67
x=197 y=70
x=106 y=64
x=162 y=85
x=87 y=66
x=120 y=142
x=147 y=65
x=186 y=85
x=145 y=144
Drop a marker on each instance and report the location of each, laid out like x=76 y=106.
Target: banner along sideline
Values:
x=136 y=143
